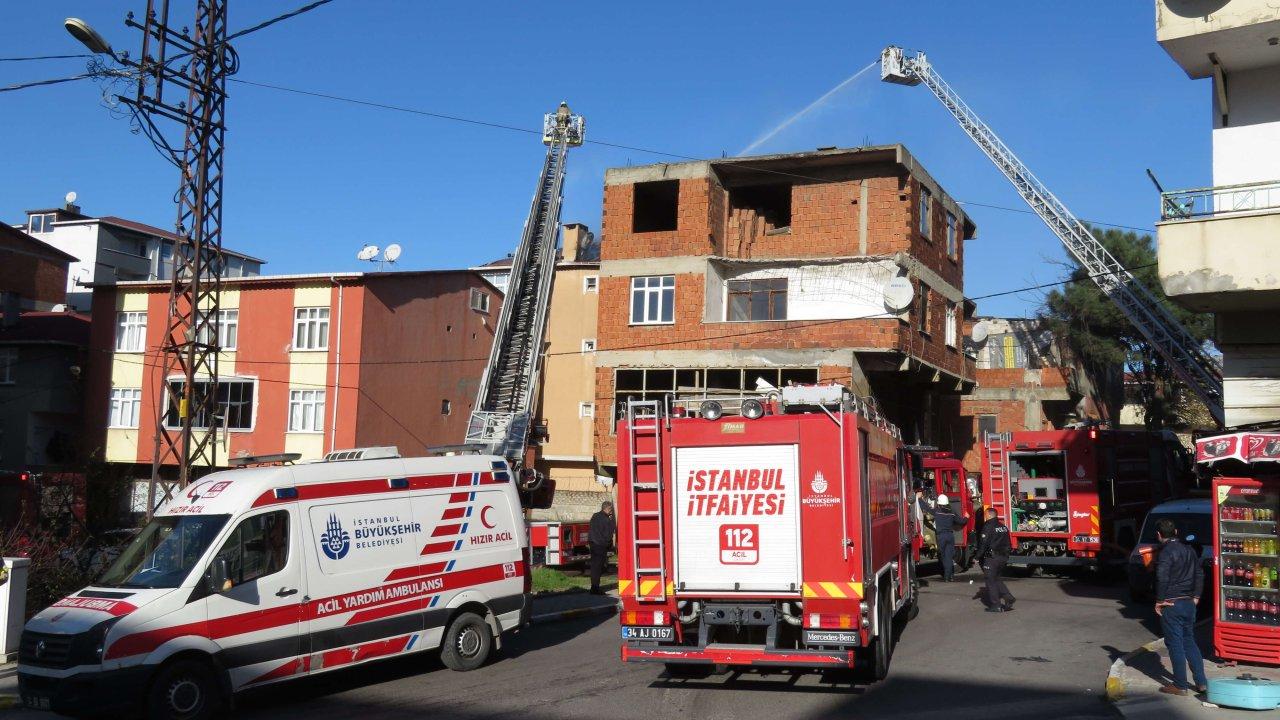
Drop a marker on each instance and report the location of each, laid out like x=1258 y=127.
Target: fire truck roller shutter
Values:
x=737 y=512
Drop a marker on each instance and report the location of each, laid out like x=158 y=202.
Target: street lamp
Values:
x=88 y=37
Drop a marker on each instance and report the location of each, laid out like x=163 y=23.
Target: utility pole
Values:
x=193 y=66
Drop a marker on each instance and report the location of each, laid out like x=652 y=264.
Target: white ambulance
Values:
x=262 y=574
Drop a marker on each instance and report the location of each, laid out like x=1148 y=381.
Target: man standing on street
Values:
x=601 y=538
x=993 y=553
x=945 y=523
x=1179 y=582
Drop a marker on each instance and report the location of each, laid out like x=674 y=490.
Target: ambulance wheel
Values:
x=467 y=643
x=184 y=690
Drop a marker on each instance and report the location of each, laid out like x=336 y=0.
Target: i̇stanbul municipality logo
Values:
x=334 y=541
x=819 y=483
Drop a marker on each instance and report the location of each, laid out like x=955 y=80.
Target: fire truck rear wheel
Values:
x=467 y=643
x=882 y=646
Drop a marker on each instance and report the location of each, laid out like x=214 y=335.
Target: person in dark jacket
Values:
x=993 y=553
x=601 y=536
x=945 y=523
x=1179 y=582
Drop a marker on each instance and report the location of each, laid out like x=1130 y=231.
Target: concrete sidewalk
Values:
x=8 y=686
x=1135 y=679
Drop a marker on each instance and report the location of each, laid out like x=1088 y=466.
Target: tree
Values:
x=1107 y=345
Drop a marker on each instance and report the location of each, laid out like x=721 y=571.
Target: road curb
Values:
x=573 y=614
x=1115 y=687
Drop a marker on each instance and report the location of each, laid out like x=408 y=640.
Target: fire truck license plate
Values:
x=36 y=702
x=637 y=632
x=739 y=544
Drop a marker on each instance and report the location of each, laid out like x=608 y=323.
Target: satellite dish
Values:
x=368 y=252
x=392 y=253
x=899 y=293
x=979 y=333
x=71 y=197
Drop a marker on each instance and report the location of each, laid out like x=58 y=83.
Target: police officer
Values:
x=993 y=553
x=945 y=523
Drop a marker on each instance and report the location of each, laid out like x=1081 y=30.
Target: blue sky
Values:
x=1081 y=91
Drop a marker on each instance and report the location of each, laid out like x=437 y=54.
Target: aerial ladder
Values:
x=1188 y=357
x=502 y=415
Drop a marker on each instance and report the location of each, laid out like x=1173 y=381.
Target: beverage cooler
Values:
x=1247 y=582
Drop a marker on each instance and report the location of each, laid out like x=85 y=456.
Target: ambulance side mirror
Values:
x=217 y=579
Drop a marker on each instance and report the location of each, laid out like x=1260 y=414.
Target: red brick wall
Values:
x=699 y=202
x=31 y=277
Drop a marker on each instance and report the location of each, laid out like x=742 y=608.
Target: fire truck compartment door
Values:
x=737 y=526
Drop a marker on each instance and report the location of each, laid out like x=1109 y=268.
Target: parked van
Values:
x=258 y=575
x=1194 y=518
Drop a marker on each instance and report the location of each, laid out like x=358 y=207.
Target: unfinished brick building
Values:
x=717 y=273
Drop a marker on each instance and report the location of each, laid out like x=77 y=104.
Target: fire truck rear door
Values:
x=737 y=518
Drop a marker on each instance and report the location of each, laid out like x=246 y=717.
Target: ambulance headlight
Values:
x=711 y=410
x=752 y=409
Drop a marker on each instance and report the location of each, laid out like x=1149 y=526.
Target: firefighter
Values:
x=601 y=536
x=993 y=553
x=945 y=523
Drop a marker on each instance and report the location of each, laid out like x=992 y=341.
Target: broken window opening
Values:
x=655 y=206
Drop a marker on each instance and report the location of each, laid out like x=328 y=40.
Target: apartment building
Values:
x=716 y=275
x=1023 y=383
x=110 y=249
x=309 y=363
x=1217 y=244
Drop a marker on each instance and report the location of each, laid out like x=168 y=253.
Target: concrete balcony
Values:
x=1219 y=248
x=1237 y=34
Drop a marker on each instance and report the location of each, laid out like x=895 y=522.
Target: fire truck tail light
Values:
x=644 y=617
x=831 y=622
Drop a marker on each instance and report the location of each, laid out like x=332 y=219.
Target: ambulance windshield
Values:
x=162 y=555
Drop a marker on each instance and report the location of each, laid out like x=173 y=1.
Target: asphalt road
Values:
x=1048 y=659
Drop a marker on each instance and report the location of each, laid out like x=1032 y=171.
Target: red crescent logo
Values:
x=484 y=520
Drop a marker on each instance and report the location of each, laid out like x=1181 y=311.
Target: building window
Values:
x=311 y=328
x=41 y=223
x=590 y=283
x=757 y=299
x=258 y=547
x=986 y=426
x=589 y=345
x=8 y=361
x=228 y=330
x=952 y=329
x=698 y=384
x=586 y=410
x=306 y=411
x=446 y=407
x=922 y=308
x=479 y=301
x=131 y=331
x=926 y=211
x=655 y=207
x=125 y=404
x=951 y=236
x=232 y=404
x=653 y=300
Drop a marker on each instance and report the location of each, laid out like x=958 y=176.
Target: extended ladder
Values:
x=1188 y=358
x=997 y=450
x=509 y=388
x=647 y=517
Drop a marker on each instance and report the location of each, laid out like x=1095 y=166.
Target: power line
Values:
x=41 y=83
x=45 y=57
x=278 y=18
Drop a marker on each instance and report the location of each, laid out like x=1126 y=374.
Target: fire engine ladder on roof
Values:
x=1188 y=358
x=508 y=392
x=997 y=445
x=644 y=461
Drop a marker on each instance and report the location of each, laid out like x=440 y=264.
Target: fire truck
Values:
x=1077 y=497
x=777 y=536
x=941 y=473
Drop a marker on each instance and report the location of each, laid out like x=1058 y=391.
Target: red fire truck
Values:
x=557 y=543
x=778 y=536
x=1077 y=497
x=942 y=473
